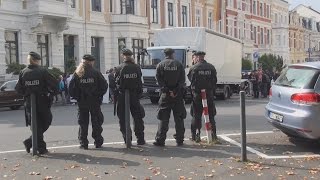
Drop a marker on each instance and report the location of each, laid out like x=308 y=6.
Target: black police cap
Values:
x=88 y=57
x=126 y=52
x=200 y=53
x=168 y=51
x=35 y=56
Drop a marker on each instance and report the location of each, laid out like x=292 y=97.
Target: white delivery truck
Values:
x=224 y=52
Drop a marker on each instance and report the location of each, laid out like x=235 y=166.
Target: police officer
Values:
x=88 y=87
x=202 y=75
x=128 y=77
x=36 y=80
x=171 y=79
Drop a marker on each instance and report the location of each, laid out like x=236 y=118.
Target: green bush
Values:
x=14 y=68
x=246 y=64
x=56 y=72
x=70 y=66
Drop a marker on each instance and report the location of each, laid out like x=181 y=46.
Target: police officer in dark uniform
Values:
x=88 y=86
x=202 y=75
x=171 y=79
x=128 y=77
x=36 y=80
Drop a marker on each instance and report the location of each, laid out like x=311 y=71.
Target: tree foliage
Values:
x=55 y=72
x=70 y=66
x=271 y=62
x=14 y=68
x=246 y=64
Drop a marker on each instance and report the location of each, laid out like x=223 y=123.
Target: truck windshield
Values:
x=154 y=57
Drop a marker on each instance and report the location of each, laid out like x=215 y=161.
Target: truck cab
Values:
x=149 y=61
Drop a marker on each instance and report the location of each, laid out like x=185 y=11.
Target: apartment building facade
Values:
x=280 y=29
x=60 y=30
x=306 y=42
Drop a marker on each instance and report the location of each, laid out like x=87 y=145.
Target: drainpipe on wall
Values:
x=85 y=27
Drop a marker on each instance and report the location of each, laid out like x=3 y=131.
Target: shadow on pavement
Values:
x=88 y=159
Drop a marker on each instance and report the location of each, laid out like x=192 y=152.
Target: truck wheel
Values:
x=154 y=100
x=226 y=93
x=15 y=107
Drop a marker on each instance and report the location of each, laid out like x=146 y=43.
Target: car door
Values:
x=4 y=95
x=11 y=93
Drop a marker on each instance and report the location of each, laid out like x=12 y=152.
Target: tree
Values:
x=70 y=66
x=14 y=68
x=246 y=64
x=271 y=62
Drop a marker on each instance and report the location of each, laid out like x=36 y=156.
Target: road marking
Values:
x=252 y=150
x=249 y=133
x=72 y=146
x=238 y=144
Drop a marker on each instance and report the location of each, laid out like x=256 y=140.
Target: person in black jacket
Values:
x=171 y=79
x=36 y=80
x=128 y=77
x=202 y=75
x=88 y=87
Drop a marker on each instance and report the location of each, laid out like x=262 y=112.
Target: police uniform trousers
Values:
x=176 y=105
x=137 y=112
x=43 y=118
x=93 y=109
x=197 y=111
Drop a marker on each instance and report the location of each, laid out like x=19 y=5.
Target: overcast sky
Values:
x=315 y=4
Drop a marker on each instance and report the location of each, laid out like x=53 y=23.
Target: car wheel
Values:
x=154 y=100
x=15 y=107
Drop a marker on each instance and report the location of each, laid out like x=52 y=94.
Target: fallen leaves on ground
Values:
x=133 y=177
x=314 y=171
x=182 y=178
x=208 y=175
x=34 y=173
x=48 y=178
x=124 y=165
x=291 y=173
x=147 y=178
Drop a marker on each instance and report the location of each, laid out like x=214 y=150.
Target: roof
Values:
x=308 y=64
x=164 y=47
x=308 y=7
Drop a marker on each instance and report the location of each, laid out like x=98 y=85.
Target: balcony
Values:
x=53 y=8
x=128 y=18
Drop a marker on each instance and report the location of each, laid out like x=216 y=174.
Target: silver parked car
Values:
x=294 y=105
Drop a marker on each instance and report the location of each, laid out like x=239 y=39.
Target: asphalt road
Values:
x=64 y=128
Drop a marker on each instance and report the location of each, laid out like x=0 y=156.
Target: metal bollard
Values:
x=34 y=125
x=208 y=125
x=243 y=127
x=127 y=118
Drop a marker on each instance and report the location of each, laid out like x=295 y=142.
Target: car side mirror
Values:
x=3 y=88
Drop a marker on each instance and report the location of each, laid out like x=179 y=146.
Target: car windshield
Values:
x=298 y=77
x=154 y=57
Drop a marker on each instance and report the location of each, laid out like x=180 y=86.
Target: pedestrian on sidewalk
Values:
x=128 y=77
x=170 y=75
x=202 y=75
x=62 y=90
x=37 y=80
x=88 y=87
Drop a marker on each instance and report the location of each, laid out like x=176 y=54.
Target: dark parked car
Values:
x=9 y=97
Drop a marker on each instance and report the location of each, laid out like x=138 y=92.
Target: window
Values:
x=254 y=7
x=230 y=3
x=239 y=4
x=110 y=5
x=210 y=20
x=184 y=16
x=129 y=6
x=255 y=34
x=121 y=45
x=137 y=46
x=43 y=49
x=154 y=7
x=198 y=19
x=96 y=5
x=261 y=9
x=73 y=3
x=268 y=37
x=24 y=4
x=230 y=27
x=261 y=36
x=170 y=14
x=268 y=15
x=276 y=18
x=11 y=47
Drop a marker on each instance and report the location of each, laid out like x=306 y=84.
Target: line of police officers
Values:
x=88 y=87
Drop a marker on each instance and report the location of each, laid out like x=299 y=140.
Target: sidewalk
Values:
x=192 y=161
